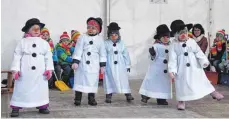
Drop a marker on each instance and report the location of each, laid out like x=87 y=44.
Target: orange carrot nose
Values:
x=113 y=37
x=36 y=29
x=182 y=36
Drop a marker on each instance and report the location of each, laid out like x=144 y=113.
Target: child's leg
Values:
x=91 y=99
x=144 y=98
x=66 y=72
x=129 y=97
x=108 y=98
x=15 y=111
x=78 y=97
x=162 y=102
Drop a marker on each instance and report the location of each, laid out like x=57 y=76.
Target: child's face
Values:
x=34 y=31
x=114 y=36
x=65 y=42
x=219 y=37
x=183 y=35
x=45 y=35
x=92 y=30
x=197 y=32
x=165 y=39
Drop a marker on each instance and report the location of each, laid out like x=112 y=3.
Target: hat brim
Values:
x=189 y=27
x=25 y=28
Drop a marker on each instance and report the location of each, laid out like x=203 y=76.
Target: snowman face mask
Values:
x=182 y=35
x=35 y=31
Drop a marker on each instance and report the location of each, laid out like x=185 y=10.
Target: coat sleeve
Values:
x=16 y=64
x=77 y=55
x=200 y=55
x=172 y=64
x=126 y=56
x=54 y=57
x=102 y=54
x=204 y=44
x=48 y=57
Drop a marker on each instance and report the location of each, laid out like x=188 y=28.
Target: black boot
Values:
x=78 y=97
x=129 y=97
x=44 y=111
x=15 y=113
x=144 y=98
x=162 y=102
x=108 y=98
x=91 y=99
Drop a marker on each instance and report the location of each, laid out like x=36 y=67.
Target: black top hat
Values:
x=162 y=30
x=113 y=26
x=98 y=20
x=31 y=22
x=178 y=25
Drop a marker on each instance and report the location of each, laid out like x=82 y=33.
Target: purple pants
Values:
x=41 y=107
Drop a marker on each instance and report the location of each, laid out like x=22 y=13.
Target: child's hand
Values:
x=48 y=74
x=16 y=75
x=102 y=70
x=205 y=65
x=74 y=66
x=171 y=75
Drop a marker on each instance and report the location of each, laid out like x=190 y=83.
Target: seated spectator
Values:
x=64 y=56
x=198 y=36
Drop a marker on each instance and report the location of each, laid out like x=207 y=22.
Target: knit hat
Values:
x=162 y=30
x=75 y=34
x=43 y=30
x=222 y=32
x=30 y=23
x=97 y=22
x=64 y=36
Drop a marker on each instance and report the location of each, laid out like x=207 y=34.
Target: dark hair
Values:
x=199 y=26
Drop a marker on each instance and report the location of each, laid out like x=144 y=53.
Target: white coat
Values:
x=32 y=57
x=90 y=51
x=157 y=83
x=116 y=76
x=187 y=62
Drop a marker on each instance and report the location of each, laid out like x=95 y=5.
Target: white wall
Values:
x=137 y=18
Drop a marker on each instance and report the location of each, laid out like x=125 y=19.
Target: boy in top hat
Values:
x=45 y=34
x=157 y=83
x=32 y=68
x=88 y=59
x=64 y=56
x=118 y=64
x=186 y=63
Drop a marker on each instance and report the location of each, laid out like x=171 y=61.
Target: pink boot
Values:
x=181 y=105
x=217 y=95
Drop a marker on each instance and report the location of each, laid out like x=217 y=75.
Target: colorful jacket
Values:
x=63 y=54
x=54 y=56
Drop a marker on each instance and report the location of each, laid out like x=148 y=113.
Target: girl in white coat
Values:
x=186 y=63
x=32 y=68
x=118 y=64
x=88 y=58
x=157 y=83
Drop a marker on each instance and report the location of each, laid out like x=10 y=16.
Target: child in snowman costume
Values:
x=89 y=58
x=118 y=64
x=186 y=63
x=32 y=68
x=157 y=83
